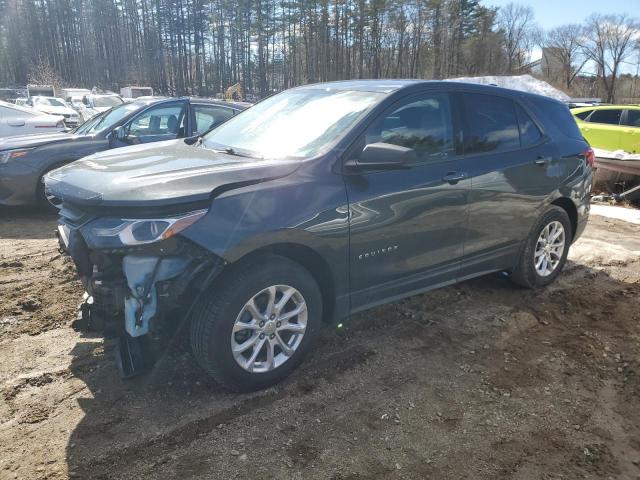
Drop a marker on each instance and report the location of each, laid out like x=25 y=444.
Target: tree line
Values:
x=201 y=47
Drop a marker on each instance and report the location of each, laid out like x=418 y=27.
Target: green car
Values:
x=610 y=127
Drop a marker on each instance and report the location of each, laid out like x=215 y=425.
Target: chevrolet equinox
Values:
x=318 y=202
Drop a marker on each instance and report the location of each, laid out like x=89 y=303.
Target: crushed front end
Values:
x=140 y=275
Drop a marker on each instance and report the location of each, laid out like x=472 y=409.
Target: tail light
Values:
x=590 y=157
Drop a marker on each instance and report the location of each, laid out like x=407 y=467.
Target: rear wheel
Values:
x=257 y=324
x=545 y=251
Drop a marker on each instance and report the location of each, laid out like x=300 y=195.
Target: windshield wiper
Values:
x=228 y=151
x=234 y=152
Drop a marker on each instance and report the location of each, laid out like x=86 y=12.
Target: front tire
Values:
x=545 y=251
x=257 y=323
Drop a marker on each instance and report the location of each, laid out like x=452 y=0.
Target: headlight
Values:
x=7 y=155
x=141 y=231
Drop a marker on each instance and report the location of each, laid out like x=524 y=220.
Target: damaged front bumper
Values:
x=141 y=294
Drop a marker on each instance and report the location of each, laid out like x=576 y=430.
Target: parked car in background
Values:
x=55 y=106
x=94 y=104
x=316 y=203
x=16 y=120
x=610 y=127
x=25 y=159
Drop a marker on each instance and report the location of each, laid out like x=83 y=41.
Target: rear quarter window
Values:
x=559 y=117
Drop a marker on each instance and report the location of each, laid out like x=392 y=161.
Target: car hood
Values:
x=35 y=140
x=158 y=174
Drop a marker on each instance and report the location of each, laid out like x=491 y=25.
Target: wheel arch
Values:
x=308 y=258
x=568 y=206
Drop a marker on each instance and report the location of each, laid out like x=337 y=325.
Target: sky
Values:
x=552 y=13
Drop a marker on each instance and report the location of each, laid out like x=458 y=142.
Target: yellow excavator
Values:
x=234 y=93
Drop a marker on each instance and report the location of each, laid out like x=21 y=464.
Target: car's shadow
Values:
x=30 y=223
x=145 y=419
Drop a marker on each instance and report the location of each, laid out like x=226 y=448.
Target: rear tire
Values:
x=542 y=259
x=247 y=306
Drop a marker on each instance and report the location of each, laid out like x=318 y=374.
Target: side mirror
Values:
x=119 y=133
x=385 y=155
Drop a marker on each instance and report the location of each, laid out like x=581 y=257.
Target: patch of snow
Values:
x=523 y=83
x=630 y=215
x=616 y=154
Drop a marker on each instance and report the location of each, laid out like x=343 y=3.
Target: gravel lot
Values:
x=481 y=380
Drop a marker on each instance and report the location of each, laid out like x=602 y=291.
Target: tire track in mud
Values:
x=331 y=368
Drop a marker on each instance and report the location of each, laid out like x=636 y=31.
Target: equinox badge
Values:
x=379 y=251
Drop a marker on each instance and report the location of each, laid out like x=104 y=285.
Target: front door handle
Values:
x=454 y=177
x=542 y=161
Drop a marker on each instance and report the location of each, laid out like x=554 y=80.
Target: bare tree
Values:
x=608 y=41
x=519 y=29
x=41 y=73
x=563 y=45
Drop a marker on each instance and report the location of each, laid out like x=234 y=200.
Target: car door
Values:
x=630 y=136
x=12 y=122
x=165 y=121
x=602 y=128
x=513 y=168
x=407 y=226
x=207 y=116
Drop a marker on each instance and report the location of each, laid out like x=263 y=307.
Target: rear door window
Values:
x=610 y=117
x=492 y=124
x=210 y=116
x=422 y=123
x=633 y=118
x=529 y=132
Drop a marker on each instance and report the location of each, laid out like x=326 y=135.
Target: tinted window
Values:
x=633 y=118
x=559 y=116
x=210 y=116
x=423 y=124
x=610 y=117
x=529 y=132
x=492 y=123
x=583 y=115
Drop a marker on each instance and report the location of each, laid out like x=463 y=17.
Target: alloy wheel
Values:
x=549 y=248
x=269 y=328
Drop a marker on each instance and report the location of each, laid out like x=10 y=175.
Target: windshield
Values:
x=51 y=102
x=112 y=101
x=107 y=119
x=293 y=124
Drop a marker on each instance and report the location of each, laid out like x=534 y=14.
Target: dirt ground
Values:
x=481 y=380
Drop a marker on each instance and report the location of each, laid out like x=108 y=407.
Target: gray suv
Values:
x=317 y=203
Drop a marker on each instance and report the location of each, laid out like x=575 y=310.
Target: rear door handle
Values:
x=454 y=177
x=542 y=161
